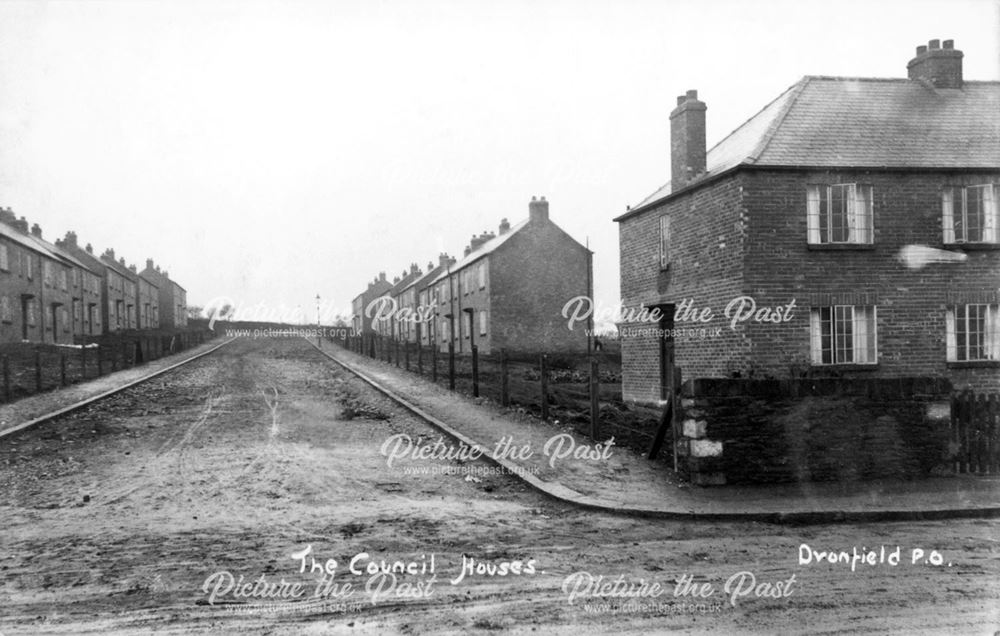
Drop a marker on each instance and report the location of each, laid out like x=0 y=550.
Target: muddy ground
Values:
x=125 y=516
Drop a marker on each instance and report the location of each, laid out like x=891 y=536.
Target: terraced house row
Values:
x=506 y=291
x=61 y=292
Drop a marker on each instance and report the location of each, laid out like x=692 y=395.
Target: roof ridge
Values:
x=754 y=116
x=776 y=123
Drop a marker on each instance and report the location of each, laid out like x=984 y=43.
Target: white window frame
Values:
x=4 y=257
x=959 y=346
x=482 y=275
x=857 y=213
x=483 y=321
x=664 y=242
x=950 y=213
x=852 y=337
x=6 y=315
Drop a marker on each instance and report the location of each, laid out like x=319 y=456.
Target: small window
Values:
x=482 y=275
x=664 y=242
x=843 y=334
x=64 y=318
x=969 y=214
x=31 y=313
x=483 y=320
x=4 y=257
x=5 y=311
x=840 y=213
x=62 y=279
x=29 y=267
x=973 y=333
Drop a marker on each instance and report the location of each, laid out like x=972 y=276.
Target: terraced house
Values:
x=508 y=289
x=172 y=304
x=45 y=292
x=850 y=227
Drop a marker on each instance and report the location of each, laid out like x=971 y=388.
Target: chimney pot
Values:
x=538 y=210
x=36 y=230
x=681 y=99
x=942 y=68
x=90 y=248
x=692 y=94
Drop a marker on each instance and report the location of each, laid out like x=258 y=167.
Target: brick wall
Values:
x=910 y=303
x=746 y=235
x=706 y=251
x=813 y=430
x=532 y=276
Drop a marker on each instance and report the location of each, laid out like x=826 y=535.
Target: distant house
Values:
x=120 y=293
x=850 y=227
x=423 y=327
x=46 y=294
x=361 y=321
x=389 y=326
x=508 y=290
x=172 y=297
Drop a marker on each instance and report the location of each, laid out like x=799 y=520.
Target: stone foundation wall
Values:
x=740 y=431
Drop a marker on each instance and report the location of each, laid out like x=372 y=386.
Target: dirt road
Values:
x=142 y=512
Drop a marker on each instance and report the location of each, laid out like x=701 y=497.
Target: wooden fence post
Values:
x=395 y=346
x=38 y=370
x=62 y=369
x=451 y=365
x=6 y=378
x=406 y=350
x=434 y=362
x=475 y=370
x=504 y=379
x=100 y=361
x=595 y=406
x=543 y=367
x=420 y=358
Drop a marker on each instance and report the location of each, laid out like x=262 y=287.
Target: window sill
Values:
x=839 y=247
x=974 y=364
x=973 y=247
x=845 y=367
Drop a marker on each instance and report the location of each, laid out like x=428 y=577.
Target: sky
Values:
x=270 y=152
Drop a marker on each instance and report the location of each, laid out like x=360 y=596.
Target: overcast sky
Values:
x=273 y=151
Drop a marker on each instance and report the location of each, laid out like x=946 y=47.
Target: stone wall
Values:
x=740 y=431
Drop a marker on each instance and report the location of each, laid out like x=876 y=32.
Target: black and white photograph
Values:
x=499 y=317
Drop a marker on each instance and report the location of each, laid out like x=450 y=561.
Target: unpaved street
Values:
x=126 y=516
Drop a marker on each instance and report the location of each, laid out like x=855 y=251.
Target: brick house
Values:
x=424 y=330
x=509 y=289
x=120 y=293
x=361 y=322
x=172 y=310
x=400 y=293
x=44 y=290
x=147 y=302
x=858 y=214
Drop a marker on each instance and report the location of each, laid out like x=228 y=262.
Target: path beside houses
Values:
x=622 y=480
x=15 y=414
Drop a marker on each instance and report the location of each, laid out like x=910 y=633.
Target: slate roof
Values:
x=841 y=122
x=484 y=249
x=41 y=246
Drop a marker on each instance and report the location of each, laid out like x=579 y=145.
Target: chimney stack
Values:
x=941 y=66
x=70 y=239
x=22 y=224
x=149 y=263
x=504 y=226
x=36 y=230
x=538 y=210
x=381 y=276
x=687 y=140
x=90 y=248
x=414 y=269
x=443 y=259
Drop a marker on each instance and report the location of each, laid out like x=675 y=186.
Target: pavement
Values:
x=37 y=408
x=573 y=469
